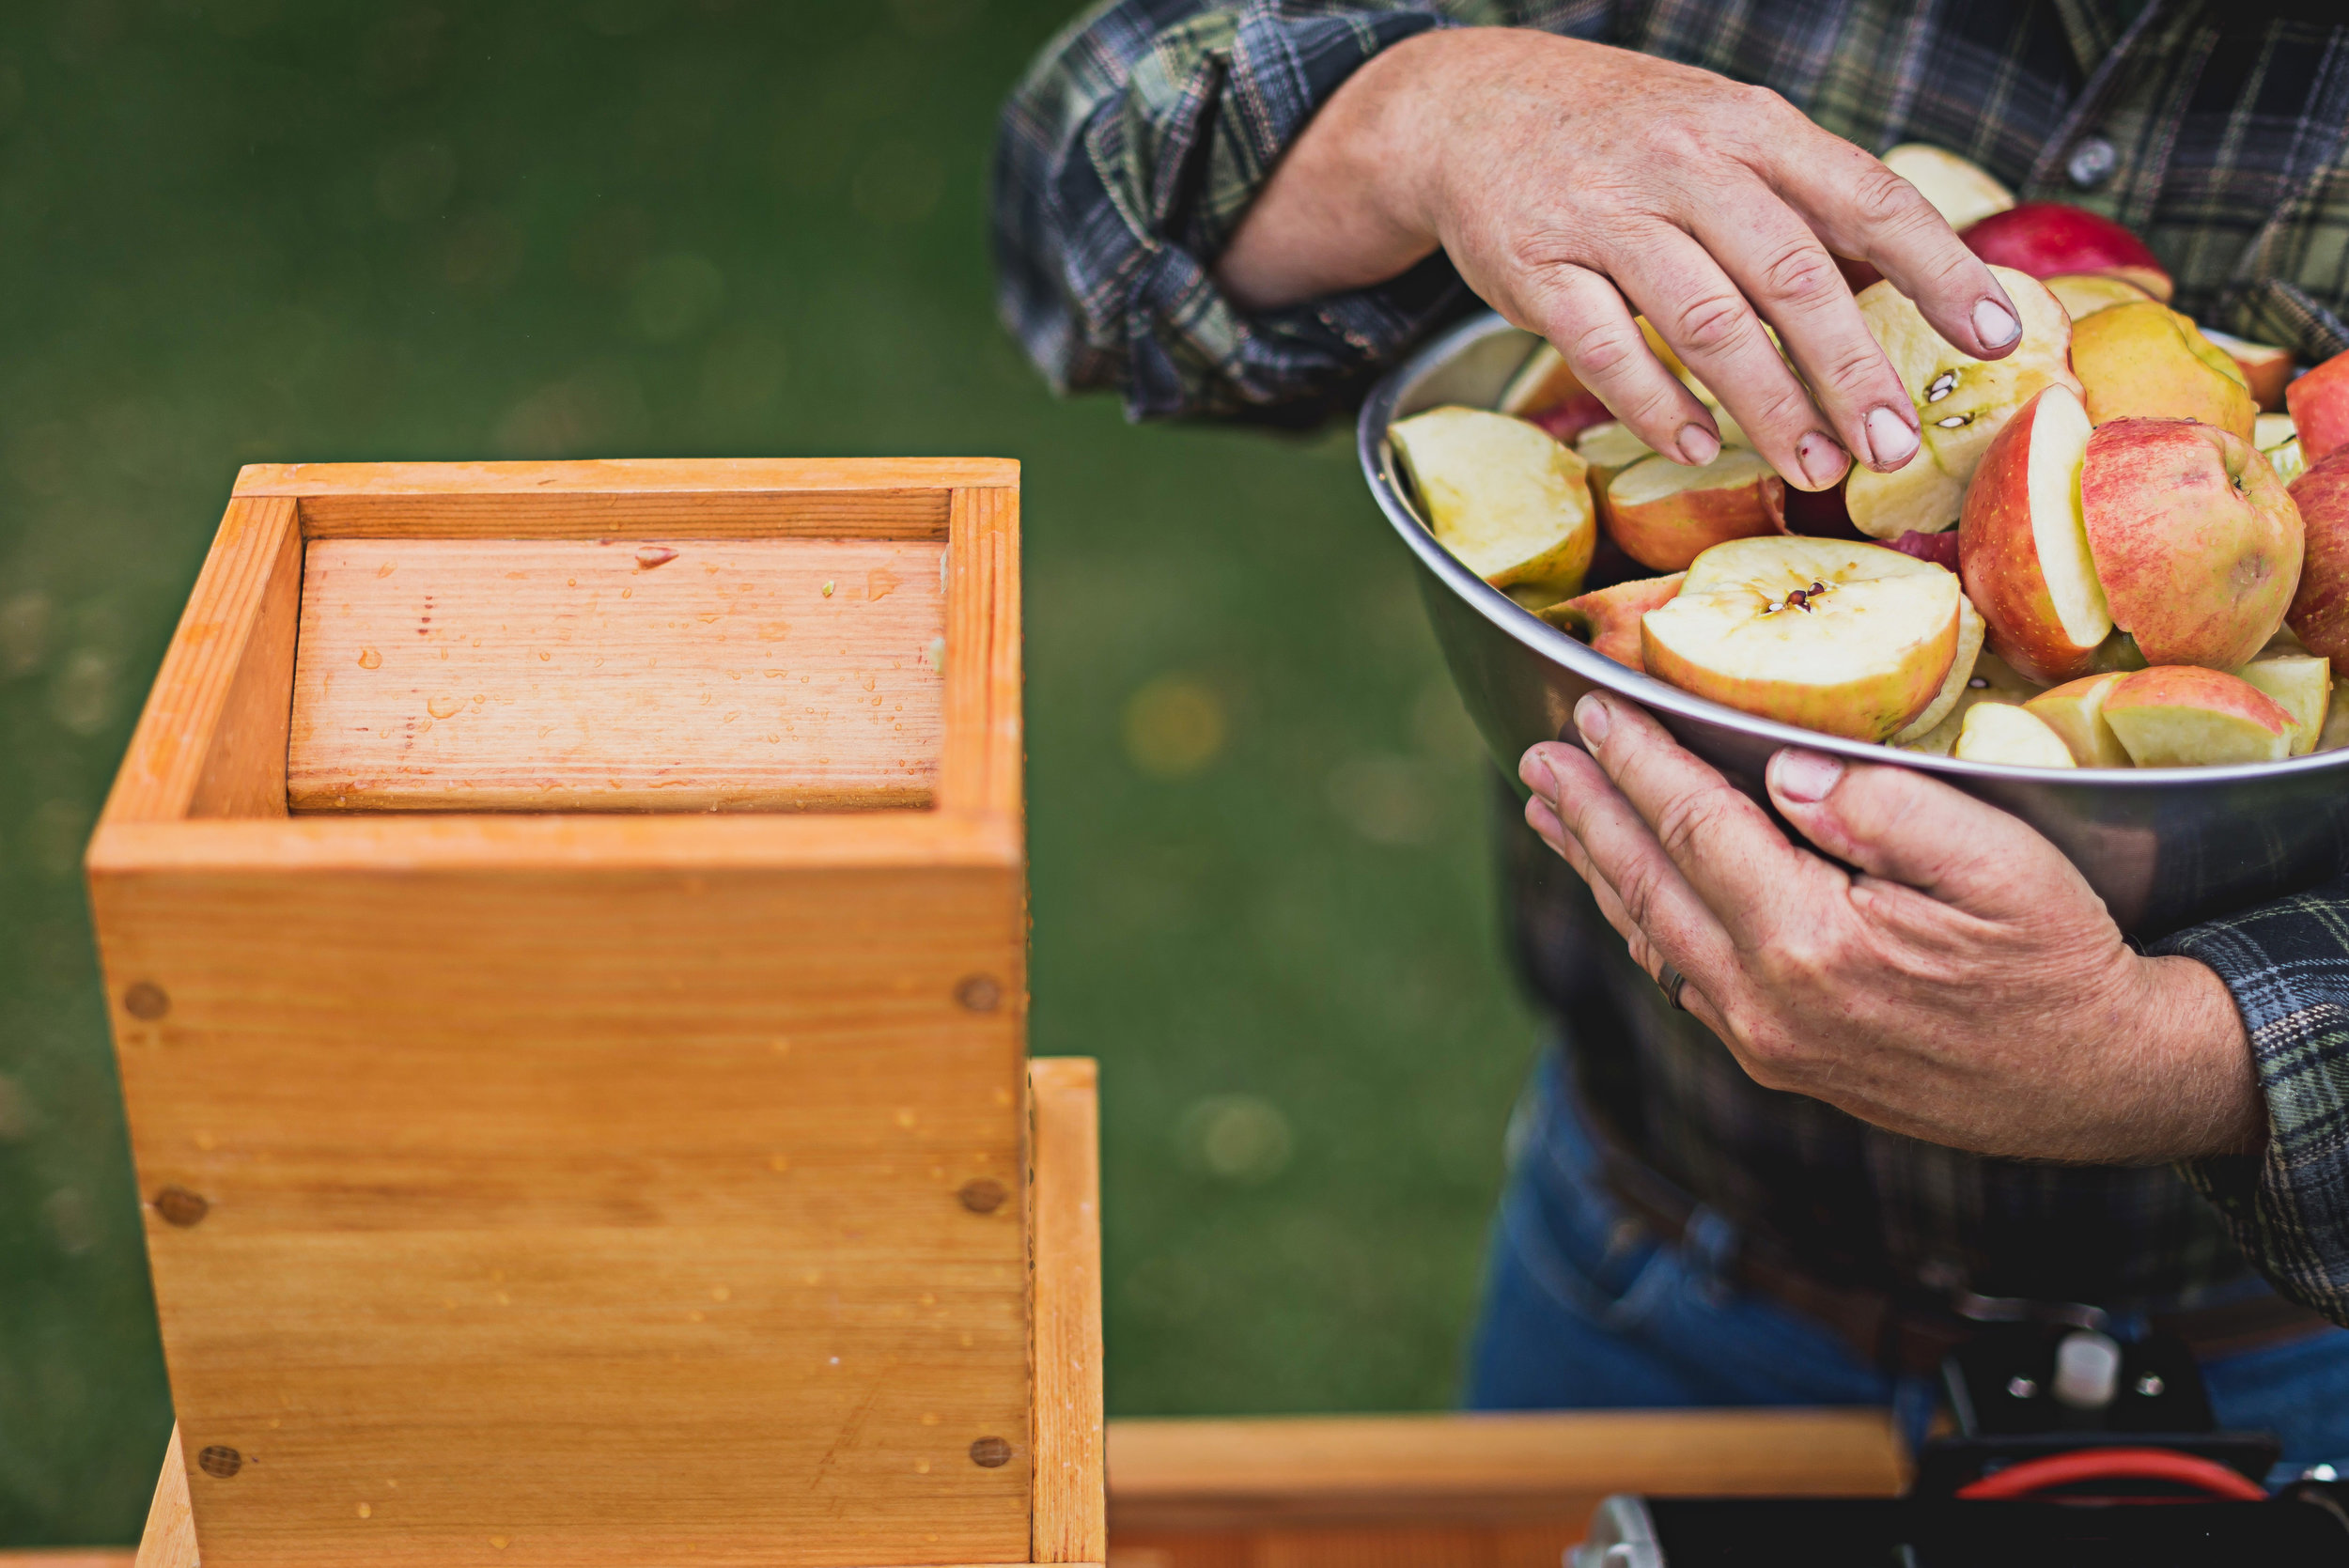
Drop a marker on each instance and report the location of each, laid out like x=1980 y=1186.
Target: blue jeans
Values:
x=1585 y=1309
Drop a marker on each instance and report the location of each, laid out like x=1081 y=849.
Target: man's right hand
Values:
x=1572 y=184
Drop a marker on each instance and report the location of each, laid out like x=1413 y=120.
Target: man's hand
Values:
x=1572 y=184
x=1965 y=988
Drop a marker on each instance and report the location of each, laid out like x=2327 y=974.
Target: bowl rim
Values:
x=1523 y=626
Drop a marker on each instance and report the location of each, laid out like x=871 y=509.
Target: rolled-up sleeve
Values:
x=1126 y=159
x=2287 y=964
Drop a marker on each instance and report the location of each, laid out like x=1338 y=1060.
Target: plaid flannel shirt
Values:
x=1134 y=147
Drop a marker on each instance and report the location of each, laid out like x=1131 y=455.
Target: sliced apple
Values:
x=2279 y=443
x=1664 y=514
x=2319 y=402
x=2320 y=605
x=1956 y=683
x=2266 y=368
x=1608 y=449
x=2047 y=239
x=1542 y=381
x=1608 y=618
x=2086 y=293
x=2182 y=716
x=1962 y=403
x=1992 y=681
x=2145 y=361
x=1509 y=502
x=1851 y=640
x=2023 y=545
x=1961 y=191
x=2001 y=732
x=2302 y=684
x=2075 y=711
x=2195 y=543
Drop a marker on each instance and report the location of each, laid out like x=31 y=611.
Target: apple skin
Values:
x=2195 y=541
x=2320 y=609
x=1569 y=419
x=2184 y=716
x=1941 y=549
x=1998 y=551
x=2319 y=402
x=2145 y=361
x=2075 y=711
x=1608 y=618
x=2049 y=239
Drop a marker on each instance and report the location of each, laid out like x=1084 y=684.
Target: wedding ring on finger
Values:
x=1671 y=980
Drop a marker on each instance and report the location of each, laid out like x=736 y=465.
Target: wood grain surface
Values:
x=500 y=674
x=1072 y=1525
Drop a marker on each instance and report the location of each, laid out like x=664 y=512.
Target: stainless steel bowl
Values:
x=2164 y=847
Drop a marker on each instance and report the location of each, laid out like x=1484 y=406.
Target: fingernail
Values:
x=1590 y=717
x=1538 y=776
x=1995 y=324
x=1822 y=458
x=1699 y=445
x=1803 y=777
x=1890 y=442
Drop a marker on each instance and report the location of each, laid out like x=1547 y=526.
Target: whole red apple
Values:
x=2047 y=239
x=2320 y=611
x=2319 y=402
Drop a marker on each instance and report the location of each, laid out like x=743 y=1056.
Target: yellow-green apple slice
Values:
x=2001 y=732
x=1954 y=685
x=1960 y=189
x=2075 y=711
x=1508 y=501
x=2320 y=606
x=2196 y=542
x=2145 y=361
x=2266 y=368
x=2086 y=293
x=1845 y=653
x=1664 y=514
x=2279 y=443
x=1962 y=403
x=2022 y=547
x=1608 y=449
x=1608 y=618
x=2319 y=402
x=2302 y=683
x=1992 y=681
x=2182 y=716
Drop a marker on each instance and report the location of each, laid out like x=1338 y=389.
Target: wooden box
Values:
x=566 y=930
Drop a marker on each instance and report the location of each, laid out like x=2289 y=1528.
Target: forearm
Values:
x=2196 y=1092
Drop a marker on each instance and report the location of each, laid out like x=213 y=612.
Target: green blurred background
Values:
x=240 y=229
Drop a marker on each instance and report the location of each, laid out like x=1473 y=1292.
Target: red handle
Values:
x=2063 y=1469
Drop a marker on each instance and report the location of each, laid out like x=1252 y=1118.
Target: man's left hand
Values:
x=1966 y=986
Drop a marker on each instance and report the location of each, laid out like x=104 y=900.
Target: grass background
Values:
x=240 y=229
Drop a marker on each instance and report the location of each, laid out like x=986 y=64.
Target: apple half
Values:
x=2022 y=544
x=1608 y=618
x=1962 y=403
x=1504 y=498
x=2001 y=731
x=2075 y=711
x=1848 y=639
x=2182 y=716
x=1664 y=514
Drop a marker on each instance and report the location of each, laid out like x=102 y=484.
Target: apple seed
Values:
x=1942 y=386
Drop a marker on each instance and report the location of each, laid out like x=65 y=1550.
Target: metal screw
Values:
x=983 y=1196
x=979 y=994
x=146 y=1001
x=2092 y=162
x=2151 y=1385
x=989 y=1453
x=181 y=1207
x=2022 y=1388
x=220 y=1460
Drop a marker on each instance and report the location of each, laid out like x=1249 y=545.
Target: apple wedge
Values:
x=2266 y=368
x=2196 y=544
x=1962 y=403
x=2319 y=402
x=1608 y=618
x=2145 y=361
x=2279 y=443
x=1848 y=639
x=2046 y=238
x=1961 y=191
x=1664 y=514
x=2182 y=716
x=2075 y=711
x=2001 y=732
x=1509 y=502
x=2302 y=685
x=2086 y=293
x=1992 y=681
x=2023 y=546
